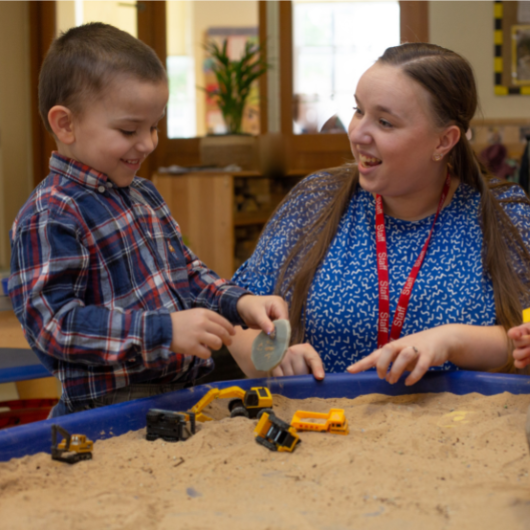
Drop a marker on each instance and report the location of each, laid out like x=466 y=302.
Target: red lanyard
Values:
x=382 y=272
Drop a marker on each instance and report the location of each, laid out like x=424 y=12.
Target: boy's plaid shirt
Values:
x=95 y=272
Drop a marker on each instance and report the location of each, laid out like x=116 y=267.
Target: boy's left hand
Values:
x=521 y=340
x=258 y=312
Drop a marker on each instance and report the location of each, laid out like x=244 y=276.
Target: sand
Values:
x=426 y=461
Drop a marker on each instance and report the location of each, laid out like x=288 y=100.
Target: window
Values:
x=122 y=14
x=333 y=44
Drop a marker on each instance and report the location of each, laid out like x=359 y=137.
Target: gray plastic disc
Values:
x=267 y=352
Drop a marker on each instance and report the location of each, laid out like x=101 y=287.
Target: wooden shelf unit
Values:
x=204 y=205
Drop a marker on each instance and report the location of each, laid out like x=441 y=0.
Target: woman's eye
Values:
x=154 y=129
x=357 y=110
x=127 y=133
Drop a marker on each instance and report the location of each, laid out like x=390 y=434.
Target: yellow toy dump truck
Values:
x=276 y=434
x=73 y=448
x=334 y=421
x=248 y=403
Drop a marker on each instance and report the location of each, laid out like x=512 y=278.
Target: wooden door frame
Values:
x=41 y=34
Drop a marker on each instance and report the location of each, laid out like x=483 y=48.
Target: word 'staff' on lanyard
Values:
x=382 y=273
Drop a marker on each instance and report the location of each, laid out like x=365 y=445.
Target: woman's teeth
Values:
x=369 y=161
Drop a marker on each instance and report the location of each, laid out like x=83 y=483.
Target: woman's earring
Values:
x=437 y=157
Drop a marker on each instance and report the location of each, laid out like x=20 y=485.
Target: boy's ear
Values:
x=61 y=123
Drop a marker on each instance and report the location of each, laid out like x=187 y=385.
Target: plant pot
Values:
x=225 y=150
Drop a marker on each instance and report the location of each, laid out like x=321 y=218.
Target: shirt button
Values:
x=101 y=189
x=109 y=184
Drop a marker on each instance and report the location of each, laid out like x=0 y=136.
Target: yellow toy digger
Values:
x=73 y=448
x=250 y=403
x=335 y=421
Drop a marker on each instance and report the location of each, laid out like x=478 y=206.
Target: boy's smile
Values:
x=118 y=130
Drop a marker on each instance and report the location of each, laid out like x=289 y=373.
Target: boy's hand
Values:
x=258 y=312
x=521 y=340
x=198 y=331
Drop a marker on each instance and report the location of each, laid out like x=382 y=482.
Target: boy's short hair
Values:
x=85 y=59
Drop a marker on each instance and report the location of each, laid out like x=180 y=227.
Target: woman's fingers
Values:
x=364 y=364
x=405 y=358
x=301 y=359
x=386 y=357
x=422 y=365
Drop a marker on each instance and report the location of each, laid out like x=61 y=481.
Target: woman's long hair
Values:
x=449 y=80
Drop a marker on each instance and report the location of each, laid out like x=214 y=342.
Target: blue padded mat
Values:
x=20 y=364
x=118 y=419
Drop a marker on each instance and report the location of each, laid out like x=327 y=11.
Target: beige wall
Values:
x=15 y=118
x=467 y=28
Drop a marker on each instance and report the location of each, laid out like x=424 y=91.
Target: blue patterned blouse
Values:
x=342 y=305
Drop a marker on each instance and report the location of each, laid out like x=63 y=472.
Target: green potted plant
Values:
x=234 y=80
x=231 y=93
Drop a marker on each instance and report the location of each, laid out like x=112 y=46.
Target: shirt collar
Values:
x=74 y=170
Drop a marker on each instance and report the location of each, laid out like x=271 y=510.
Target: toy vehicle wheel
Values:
x=235 y=403
x=266 y=443
x=239 y=411
x=261 y=412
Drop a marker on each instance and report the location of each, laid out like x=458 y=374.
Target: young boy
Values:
x=109 y=297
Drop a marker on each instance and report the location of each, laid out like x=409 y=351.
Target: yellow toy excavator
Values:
x=250 y=403
x=73 y=447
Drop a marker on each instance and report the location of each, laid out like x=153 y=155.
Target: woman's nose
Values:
x=358 y=131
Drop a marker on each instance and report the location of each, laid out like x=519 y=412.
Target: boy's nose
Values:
x=147 y=143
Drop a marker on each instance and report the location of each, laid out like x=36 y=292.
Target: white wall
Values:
x=16 y=179
x=467 y=28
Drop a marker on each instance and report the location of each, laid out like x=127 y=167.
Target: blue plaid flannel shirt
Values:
x=96 y=271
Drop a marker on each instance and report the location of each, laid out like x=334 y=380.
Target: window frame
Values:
x=304 y=152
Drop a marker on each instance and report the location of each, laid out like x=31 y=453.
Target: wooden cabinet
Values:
x=221 y=214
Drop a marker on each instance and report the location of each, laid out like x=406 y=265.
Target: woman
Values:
x=411 y=259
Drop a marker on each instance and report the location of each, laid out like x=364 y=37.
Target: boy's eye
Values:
x=357 y=110
x=127 y=133
x=385 y=123
x=153 y=129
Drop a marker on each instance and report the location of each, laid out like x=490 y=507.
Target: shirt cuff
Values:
x=228 y=304
x=157 y=334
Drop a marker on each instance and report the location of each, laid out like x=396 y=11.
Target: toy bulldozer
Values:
x=73 y=447
x=169 y=425
x=276 y=434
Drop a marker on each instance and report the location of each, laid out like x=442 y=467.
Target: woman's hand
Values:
x=470 y=347
x=415 y=353
x=301 y=359
x=521 y=340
